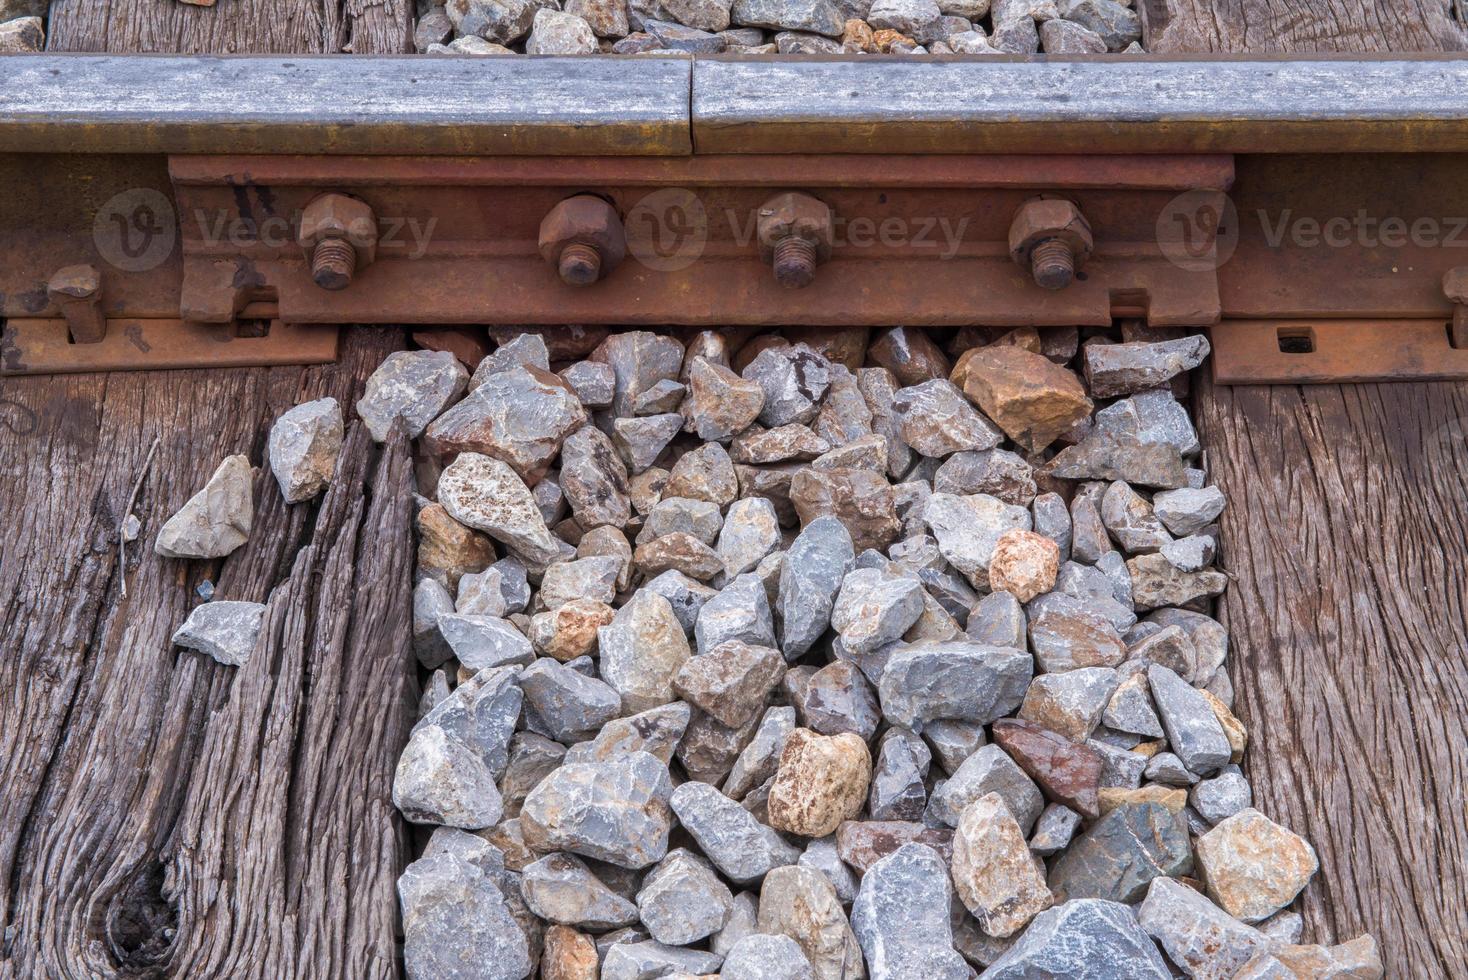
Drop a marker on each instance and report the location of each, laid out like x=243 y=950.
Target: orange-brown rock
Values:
x=1025 y=564
x=679 y=551
x=884 y=39
x=1254 y=867
x=447 y=550
x=861 y=499
x=1111 y=797
x=568 y=955
x=469 y=344
x=857 y=38
x=822 y=780
x=569 y=630
x=1030 y=397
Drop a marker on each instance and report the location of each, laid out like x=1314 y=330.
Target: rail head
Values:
x=677 y=105
x=1100 y=104
x=576 y=106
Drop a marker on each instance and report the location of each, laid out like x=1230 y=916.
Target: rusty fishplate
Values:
x=918 y=240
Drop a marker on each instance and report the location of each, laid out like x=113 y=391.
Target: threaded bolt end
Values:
x=580 y=264
x=1053 y=264
x=332 y=263
x=795 y=262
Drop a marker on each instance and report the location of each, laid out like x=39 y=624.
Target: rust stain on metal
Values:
x=1303 y=351
x=44 y=347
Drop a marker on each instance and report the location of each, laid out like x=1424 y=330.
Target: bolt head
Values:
x=340 y=216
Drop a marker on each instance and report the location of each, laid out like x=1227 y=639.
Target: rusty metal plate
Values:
x=920 y=240
x=1352 y=236
x=30 y=346
x=1335 y=351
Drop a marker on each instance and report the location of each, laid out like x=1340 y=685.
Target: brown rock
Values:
x=705 y=473
x=1111 y=797
x=1067 y=772
x=822 y=780
x=857 y=38
x=646 y=488
x=447 y=550
x=1030 y=397
x=1025 y=337
x=569 y=630
x=887 y=37
x=907 y=352
x=720 y=403
x=680 y=551
x=839 y=345
x=1238 y=736
x=993 y=871
x=569 y=955
x=562 y=343
x=709 y=747
x=1156 y=582
x=755 y=347
x=862 y=843
x=801 y=903
x=772 y=483
x=1254 y=867
x=1358 y=959
x=783 y=444
x=730 y=682
x=858 y=498
x=468 y=344
x=1025 y=564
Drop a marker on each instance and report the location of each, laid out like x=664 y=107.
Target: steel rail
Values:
x=678 y=105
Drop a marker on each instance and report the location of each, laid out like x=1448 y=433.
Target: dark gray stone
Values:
x=1122 y=852
x=741 y=847
x=957 y=680
x=815 y=565
x=901 y=918
x=1083 y=939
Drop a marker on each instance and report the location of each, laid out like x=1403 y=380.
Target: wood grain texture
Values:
x=232 y=26
x=1346 y=537
x=1257 y=26
x=160 y=814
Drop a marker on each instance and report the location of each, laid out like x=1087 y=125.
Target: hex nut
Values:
x=341 y=217
x=584 y=220
x=1044 y=219
x=795 y=215
x=1455 y=285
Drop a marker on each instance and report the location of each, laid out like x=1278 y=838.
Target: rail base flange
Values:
x=1335 y=351
x=44 y=346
